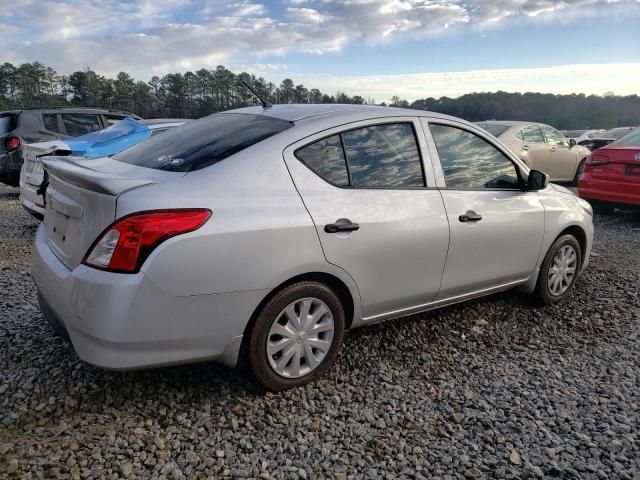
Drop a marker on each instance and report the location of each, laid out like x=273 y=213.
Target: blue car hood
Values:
x=114 y=139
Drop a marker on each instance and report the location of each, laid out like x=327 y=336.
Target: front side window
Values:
x=199 y=144
x=50 y=121
x=76 y=124
x=531 y=134
x=552 y=136
x=113 y=119
x=379 y=156
x=469 y=162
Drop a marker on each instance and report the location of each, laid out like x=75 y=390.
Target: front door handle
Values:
x=470 y=216
x=341 y=225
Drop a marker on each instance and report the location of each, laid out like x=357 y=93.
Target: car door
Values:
x=496 y=227
x=370 y=194
x=533 y=150
x=562 y=161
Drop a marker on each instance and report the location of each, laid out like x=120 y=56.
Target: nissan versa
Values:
x=268 y=232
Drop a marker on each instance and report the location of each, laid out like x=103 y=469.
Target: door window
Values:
x=76 y=124
x=379 y=156
x=469 y=162
x=552 y=136
x=112 y=119
x=51 y=122
x=531 y=134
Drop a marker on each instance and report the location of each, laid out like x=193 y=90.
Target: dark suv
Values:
x=42 y=124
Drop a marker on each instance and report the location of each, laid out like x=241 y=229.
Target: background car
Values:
x=581 y=135
x=19 y=127
x=268 y=232
x=114 y=139
x=599 y=141
x=541 y=147
x=612 y=174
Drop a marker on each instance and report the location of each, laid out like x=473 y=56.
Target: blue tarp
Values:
x=111 y=140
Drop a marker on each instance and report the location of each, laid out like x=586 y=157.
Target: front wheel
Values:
x=559 y=270
x=297 y=336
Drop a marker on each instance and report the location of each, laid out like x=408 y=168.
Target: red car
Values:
x=611 y=175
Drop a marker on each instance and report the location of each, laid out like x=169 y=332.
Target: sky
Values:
x=372 y=48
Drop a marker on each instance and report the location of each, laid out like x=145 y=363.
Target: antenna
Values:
x=265 y=104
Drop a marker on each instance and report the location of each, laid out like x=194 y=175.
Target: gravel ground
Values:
x=494 y=388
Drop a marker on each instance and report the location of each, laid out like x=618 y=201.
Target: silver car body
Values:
x=32 y=173
x=196 y=293
x=553 y=156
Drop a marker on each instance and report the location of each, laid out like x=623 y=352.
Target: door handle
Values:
x=525 y=147
x=553 y=149
x=470 y=216
x=341 y=225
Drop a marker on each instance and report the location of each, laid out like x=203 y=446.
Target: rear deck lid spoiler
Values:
x=77 y=171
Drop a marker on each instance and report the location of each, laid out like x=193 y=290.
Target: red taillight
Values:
x=11 y=144
x=597 y=159
x=125 y=245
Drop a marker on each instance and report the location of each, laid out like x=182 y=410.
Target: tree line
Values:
x=199 y=93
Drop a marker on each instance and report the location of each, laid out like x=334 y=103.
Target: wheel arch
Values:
x=580 y=235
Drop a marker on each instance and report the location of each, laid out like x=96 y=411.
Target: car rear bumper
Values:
x=120 y=321
x=627 y=193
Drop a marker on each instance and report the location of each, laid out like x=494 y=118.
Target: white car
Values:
x=581 y=135
x=268 y=232
x=32 y=174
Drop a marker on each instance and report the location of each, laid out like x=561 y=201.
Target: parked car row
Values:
x=20 y=127
x=266 y=233
x=114 y=139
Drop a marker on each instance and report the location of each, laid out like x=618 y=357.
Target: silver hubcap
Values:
x=300 y=338
x=562 y=270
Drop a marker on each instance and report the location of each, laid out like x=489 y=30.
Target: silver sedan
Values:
x=266 y=233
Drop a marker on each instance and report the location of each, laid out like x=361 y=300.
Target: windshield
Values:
x=494 y=129
x=204 y=142
x=616 y=132
x=8 y=122
x=632 y=138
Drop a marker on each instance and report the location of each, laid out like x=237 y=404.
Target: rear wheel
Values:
x=579 y=170
x=559 y=270
x=297 y=336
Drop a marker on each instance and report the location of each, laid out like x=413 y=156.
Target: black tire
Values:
x=543 y=293
x=579 y=170
x=257 y=348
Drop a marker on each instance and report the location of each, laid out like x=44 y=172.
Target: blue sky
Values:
x=372 y=48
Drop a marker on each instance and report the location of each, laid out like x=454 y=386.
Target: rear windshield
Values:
x=8 y=122
x=202 y=143
x=631 y=138
x=616 y=132
x=494 y=129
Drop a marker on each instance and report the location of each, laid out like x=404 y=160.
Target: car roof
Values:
x=296 y=112
x=508 y=123
x=162 y=121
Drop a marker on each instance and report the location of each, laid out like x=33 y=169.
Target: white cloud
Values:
x=156 y=36
x=589 y=79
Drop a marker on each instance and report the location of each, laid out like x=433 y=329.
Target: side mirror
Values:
x=537 y=181
x=572 y=142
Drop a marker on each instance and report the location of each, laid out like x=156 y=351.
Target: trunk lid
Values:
x=623 y=163
x=81 y=200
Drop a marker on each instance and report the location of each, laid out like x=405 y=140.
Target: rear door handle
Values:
x=525 y=147
x=341 y=225
x=470 y=216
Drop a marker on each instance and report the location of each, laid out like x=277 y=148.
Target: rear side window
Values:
x=8 y=123
x=326 y=158
x=202 y=143
x=76 y=124
x=50 y=121
x=470 y=162
x=379 y=156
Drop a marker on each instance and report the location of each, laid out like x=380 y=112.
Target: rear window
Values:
x=493 y=129
x=8 y=122
x=631 y=138
x=202 y=143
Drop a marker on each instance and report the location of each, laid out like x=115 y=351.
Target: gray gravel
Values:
x=493 y=388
